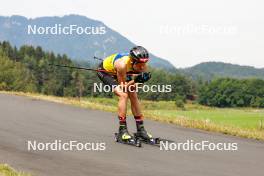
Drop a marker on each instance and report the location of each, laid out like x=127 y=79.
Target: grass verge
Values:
x=6 y=170
x=243 y=122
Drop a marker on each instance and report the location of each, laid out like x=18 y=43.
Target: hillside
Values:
x=208 y=70
x=15 y=29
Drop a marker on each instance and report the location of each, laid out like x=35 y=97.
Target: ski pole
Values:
x=81 y=68
x=89 y=69
x=97 y=58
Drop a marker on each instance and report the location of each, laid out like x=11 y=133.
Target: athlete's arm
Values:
x=121 y=71
x=120 y=67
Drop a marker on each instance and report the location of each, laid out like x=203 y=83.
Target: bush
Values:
x=179 y=102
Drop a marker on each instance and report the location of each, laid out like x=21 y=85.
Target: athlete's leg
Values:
x=135 y=105
x=123 y=97
x=136 y=110
x=122 y=101
x=122 y=110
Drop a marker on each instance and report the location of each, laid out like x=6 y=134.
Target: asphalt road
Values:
x=23 y=119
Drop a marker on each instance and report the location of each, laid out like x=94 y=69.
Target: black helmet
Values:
x=139 y=54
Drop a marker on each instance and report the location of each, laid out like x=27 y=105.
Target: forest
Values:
x=28 y=69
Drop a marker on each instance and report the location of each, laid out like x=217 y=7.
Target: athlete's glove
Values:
x=129 y=78
x=143 y=77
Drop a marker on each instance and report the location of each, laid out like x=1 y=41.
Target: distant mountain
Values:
x=50 y=34
x=208 y=70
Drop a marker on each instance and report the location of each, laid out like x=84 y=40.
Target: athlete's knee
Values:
x=123 y=95
x=120 y=93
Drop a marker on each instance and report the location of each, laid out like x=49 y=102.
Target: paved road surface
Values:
x=23 y=119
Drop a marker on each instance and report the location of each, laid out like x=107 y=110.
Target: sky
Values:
x=184 y=32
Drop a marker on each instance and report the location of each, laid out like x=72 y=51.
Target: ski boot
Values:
x=124 y=137
x=145 y=137
x=124 y=134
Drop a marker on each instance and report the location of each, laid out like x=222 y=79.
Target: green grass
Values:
x=243 y=122
x=247 y=118
x=6 y=170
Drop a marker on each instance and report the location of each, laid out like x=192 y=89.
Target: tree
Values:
x=227 y=92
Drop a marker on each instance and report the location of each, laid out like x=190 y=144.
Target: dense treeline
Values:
x=228 y=92
x=28 y=69
x=182 y=88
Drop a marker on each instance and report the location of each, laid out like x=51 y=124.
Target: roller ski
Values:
x=124 y=137
x=146 y=137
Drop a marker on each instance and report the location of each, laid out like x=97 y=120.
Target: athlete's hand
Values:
x=143 y=77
